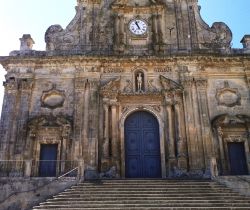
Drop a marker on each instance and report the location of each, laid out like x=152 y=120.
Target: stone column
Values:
x=85 y=124
x=200 y=159
x=159 y=26
x=80 y=84
x=222 y=152
x=63 y=154
x=121 y=29
x=172 y=157
x=190 y=124
x=114 y=135
x=117 y=32
x=8 y=116
x=205 y=123
x=93 y=126
x=182 y=158
x=160 y=33
x=23 y=114
x=155 y=28
x=106 y=129
x=106 y=145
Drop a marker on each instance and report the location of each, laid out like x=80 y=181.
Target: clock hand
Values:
x=137 y=25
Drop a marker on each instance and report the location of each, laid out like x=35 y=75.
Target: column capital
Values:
x=113 y=102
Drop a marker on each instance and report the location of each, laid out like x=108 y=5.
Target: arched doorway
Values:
x=142 y=146
x=232 y=143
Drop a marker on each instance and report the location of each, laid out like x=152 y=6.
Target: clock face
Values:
x=138 y=27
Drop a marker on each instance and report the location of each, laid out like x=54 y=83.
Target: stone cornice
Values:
x=74 y=60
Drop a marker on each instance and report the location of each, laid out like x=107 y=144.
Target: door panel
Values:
x=48 y=157
x=237 y=159
x=142 y=146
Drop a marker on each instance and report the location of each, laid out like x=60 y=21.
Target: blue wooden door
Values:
x=142 y=146
x=237 y=159
x=48 y=157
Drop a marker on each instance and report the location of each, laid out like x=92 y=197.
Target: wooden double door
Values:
x=237 y=159
x=48 y=160
x=142 y=146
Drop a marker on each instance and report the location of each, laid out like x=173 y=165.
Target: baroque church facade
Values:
x=132 y=88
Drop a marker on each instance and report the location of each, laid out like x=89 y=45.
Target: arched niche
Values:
x=139 y=81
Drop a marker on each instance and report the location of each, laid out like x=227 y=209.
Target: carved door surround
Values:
x=231 y=129
x=49 y=130
x=176 y=134
x=167 y=101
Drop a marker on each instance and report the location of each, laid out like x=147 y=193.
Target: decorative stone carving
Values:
x=26 y=42
x=26 y=84
x=235 y=138
x=223 y=36
x=111 y=89
x=11 y=84
x=53 y=98
x=113 y=70
x=80 y=83
x=201 y=83
x=225 y=120
x=163 y=69
x=157 y=108
x=220 y=36
x=227 y=96
x=49 y=121
x=169 y=85
x=151 y=86
x=129 y=87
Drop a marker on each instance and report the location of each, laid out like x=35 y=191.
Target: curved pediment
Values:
x=168 y=84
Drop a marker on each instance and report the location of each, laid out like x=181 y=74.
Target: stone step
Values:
x=146 y=187
x=189 y=205
x=204 y=201
x=150 y=208
x=146 y=195
x=180 y=198
x=146 y=190
x=166 y=192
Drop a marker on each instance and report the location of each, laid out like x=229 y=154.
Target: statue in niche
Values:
x=139 y=82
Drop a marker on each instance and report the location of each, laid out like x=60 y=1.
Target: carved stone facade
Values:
x=95 y=73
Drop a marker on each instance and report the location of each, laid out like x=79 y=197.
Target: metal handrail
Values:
x=76 y=168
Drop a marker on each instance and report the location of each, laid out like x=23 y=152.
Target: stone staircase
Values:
x=145 y=195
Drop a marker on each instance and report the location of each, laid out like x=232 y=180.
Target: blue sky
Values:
x=18 y=17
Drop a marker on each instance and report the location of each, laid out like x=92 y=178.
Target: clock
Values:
x=138 y=27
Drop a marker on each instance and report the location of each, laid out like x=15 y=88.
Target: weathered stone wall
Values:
x=90 y=97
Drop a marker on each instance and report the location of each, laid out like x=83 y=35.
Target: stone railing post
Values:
x=27 y=168
x=81 y=170
x=213 y=168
